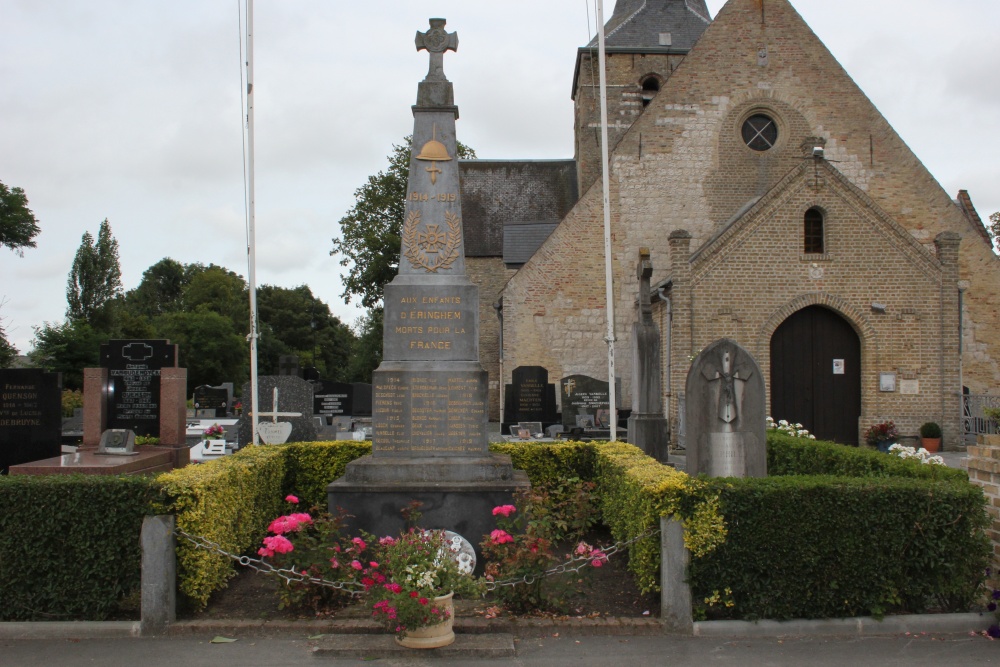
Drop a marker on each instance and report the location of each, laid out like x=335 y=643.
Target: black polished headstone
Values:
x=362 y=399
x=585 y=401
x=333 y=398
x=532 y=398
x=30 y=415
x=207 y=397
x=134 y=382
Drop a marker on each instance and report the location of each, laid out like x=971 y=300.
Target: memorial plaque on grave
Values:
x=212 y=398
x=585 y=401
x=532 y=398
x=333 y=398
x=134 y=382
x=30 y=415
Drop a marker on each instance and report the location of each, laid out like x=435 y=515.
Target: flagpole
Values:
x=606 y=187
x=251 y=237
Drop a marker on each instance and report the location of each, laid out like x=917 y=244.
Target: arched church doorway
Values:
x=816 y=374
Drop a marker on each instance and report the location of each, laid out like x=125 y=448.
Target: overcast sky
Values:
x=131 y=111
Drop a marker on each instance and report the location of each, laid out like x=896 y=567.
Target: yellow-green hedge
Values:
x=313 y=465
x=229 y=501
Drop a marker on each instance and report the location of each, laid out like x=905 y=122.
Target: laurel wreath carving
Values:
x=431 y=262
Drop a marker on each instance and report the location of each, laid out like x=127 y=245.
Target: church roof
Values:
x=505 y=194
x=663 y=25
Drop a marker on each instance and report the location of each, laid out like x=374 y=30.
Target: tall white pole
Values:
x=251 y=238
x=606 y=186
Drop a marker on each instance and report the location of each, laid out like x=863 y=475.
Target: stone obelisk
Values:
x=429 y=408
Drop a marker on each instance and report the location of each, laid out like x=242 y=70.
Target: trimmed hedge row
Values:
x=820 y=547
x=69 y=545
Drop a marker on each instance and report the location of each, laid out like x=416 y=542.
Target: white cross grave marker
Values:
x=275 y=432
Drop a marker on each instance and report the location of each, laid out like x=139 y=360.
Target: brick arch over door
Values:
x=815 y=364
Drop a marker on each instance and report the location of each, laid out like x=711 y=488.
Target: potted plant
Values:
x=930 y=436
x=408 y=581
x=882 y=435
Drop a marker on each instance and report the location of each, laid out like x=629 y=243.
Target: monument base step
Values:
x=375 y=469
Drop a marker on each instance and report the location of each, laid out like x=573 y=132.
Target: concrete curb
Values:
x=518 y=627
x=70 y=630
x=863 y=626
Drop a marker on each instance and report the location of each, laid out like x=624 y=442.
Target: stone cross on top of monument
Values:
x=437 y=41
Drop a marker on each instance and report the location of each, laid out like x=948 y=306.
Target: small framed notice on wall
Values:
x=838 y=366
x=887 y=382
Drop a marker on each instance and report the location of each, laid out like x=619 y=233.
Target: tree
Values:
x=302 y=325
x=161 y=289
x=994 y=228
x=7 y=351
x=67 y=348
x=210 y=348
x=95 y=279
x=367 y=353
x=18 y=226
x=370 y=232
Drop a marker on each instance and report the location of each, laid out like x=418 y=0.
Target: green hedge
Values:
x=69 y=545
x=229 y=501
x=311 y=466
x=819 y=547
x=799 y=456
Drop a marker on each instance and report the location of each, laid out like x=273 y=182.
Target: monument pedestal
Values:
x=458 y=496
x=650 y=432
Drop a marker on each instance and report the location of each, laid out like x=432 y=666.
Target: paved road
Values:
x=546 y=651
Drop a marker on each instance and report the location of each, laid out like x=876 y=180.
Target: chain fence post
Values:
x=159 y=574
x=675 y=592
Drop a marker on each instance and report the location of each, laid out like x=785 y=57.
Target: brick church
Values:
x=779 y=208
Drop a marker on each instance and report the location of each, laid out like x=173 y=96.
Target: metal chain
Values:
x=572 y=565
x=288 y=574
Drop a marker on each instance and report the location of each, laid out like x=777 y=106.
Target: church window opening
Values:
x=760 y=132
x=650 y=86
x=813 y=232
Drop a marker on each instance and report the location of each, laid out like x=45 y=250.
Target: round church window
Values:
x=760 y=132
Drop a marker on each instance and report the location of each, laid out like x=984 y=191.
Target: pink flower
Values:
x=504 y=510
x=414 y=594
x=598 y=558
x=500 y=537
x=278 y=544
x=291 y=499
x=373 y=564
x=394 y=587
x=423 y=601
x=289 y=524
x=386 y=541
x=334 y=563
x=359 y=543
x=582 y=549
x=301 y=517
x=356 y=565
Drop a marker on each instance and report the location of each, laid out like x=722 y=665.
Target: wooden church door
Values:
x=816 y=374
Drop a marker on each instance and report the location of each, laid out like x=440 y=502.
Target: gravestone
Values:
x=30 y=415
x=362 y=399
x=288 y=364
x=530 y=397
x=585 y=402
x=725 y=413
x=214 y=399
x=133 y=396
x=429 y=415
x=333 y=399
x=647 y=427
x=295 y=399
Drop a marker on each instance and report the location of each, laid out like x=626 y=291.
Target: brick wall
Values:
x=984 y=470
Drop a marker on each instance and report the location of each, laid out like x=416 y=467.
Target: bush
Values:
x=804 y=547
x=930 y=430
x=69 y=544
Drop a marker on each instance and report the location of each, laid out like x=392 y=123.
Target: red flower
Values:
x=423 y=601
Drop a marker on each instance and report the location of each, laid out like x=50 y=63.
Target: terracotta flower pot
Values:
x=931 y=444
x=433 y=636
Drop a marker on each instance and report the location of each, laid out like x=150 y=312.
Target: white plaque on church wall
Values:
x=838 y=366
x=911 y=387
x=887 y=382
